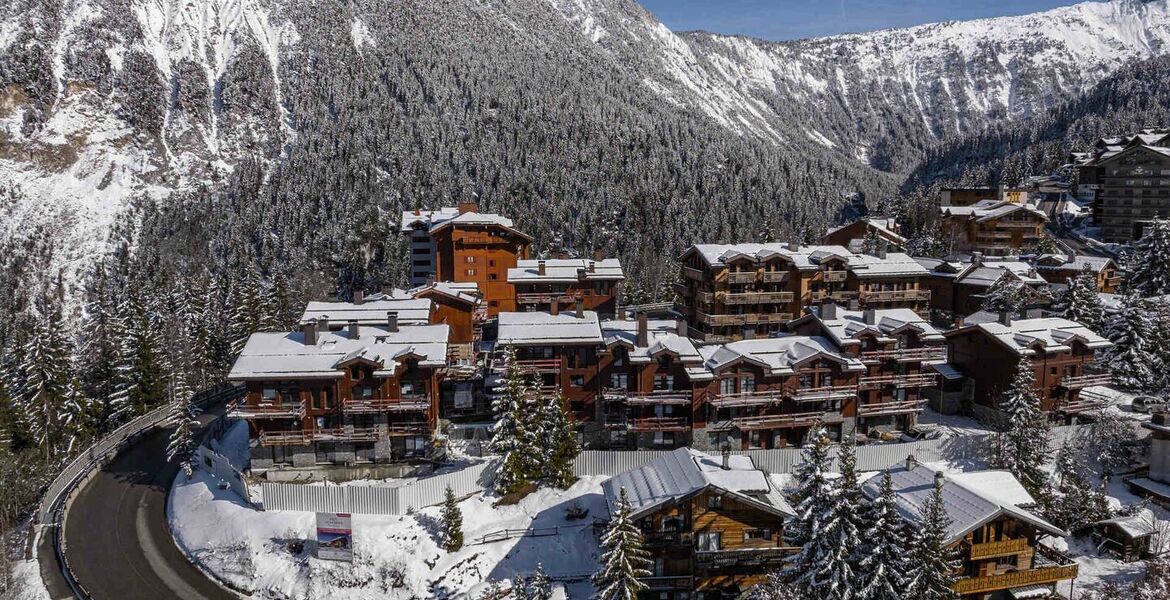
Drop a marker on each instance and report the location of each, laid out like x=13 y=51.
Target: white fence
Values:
x=221 y=468
x=369 y=500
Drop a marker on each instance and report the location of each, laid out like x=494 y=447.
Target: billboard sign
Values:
x=334 y=537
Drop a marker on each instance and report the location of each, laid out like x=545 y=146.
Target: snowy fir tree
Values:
x=451 y=519
x=872 y=243
x=1149 y=263
x=141 y=368
x=1075 y=502
x=1129 y=359
x=44 y=385
x=843 y=529
x=1045 y=245
x=885 y=552
x=774 y=587
x=98 y=357
x=1160 y=343
x=1155 y=584
x=930 y=570
x=1082 y=304
x=536 y=586
x=557 y=441
x=183 y=442
x=1006 y=295
x=1021 y=446
x=516 y=433
x=623 y=560
x=1111 y=443
x=812 y=569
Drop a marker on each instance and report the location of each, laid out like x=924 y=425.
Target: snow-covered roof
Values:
x=895 y=263
x=778 y=355
x=1137 y=525
x=284 y=355
x=849 y=325
x=411 y=311
x=427 y=218
x=987 y=273
x=885 y=225
x=685 y=472
x=1062 y=262
x=811 y=257
x=969 y=499
x=986 y=210
x=448 y=215
x=1051 y=334
x=466 y=292
x=566 y=270
x=543 y=328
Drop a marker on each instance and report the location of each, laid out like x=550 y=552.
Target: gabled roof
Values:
x=850 y=325
x=894 y=263
x=1025 y=337
x=683 y=473
x=1063 y=262
x=663 y=339
x=543 y=328
x=987 y=273
x=284 y=355
x=778 y=355
x=566 y=270
x=969 y=499
x=470 y=219
x=411 y=311
x=987 y=210
x=463 y=292
x=807 y=258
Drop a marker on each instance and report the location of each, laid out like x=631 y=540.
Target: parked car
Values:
x=1149 y=404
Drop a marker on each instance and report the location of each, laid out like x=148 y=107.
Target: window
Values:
x=364 y=392
x=315 y=399
x=663 y=382
x=619 y=357
x=663 y=438
x=710 y=541
x=416 y=445
x=268 y=395
x=757 y=534
x=326 y=398
x=577 y=381
x=411 y=388
x=727 y=386
x=491 y=263
x=747 y=383
x=618 y=381
x=469 y=260
x=714 y=501
x=493 y=276
x=470 y=272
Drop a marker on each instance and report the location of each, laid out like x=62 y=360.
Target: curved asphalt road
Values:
x=116 y=535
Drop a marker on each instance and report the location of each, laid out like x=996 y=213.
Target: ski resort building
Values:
x=993 y=530
x=992 y=227
x=363 y=394
x=853 y=235
x=897 y=347
x=461 y=245
x=712 y=525
x=539 y=283
x=1128 y=179
x=957 y=289
x=745 y=291
x=1059 y=268
x=1061 y=352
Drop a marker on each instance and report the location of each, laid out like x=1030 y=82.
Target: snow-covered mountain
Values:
x=103 y=102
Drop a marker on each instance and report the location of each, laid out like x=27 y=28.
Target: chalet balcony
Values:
x=682 y=289
x=1079 y=405
x=658 y=424
x=378 y=405
x=1049 y=567
x=480 y=239
x=705 y=297
x=901 y=407
x=896 y=296
x=820 y=394
x=841 y=296
x=831 y=276
x=304 y=437
x=1000 y=548
x=1112 y=281
x=267 y=411
x=914 y=380
x=665 y=583
x=1083 y=381
x=744 y=319
x=906 y=355
x=540 y=365
x=758 y=298
x=743 y=557
x=742 y=276
x=775 y=276
x=549 y=298
x=760 y=398
x=693 y=273
x=1020 y=224
x=658 y=539
x=805 y=419
x=664 y=397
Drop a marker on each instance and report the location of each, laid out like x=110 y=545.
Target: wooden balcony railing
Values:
x=742 y=276
x=541 y=365
x=376 y=405
x=705 y=297
x=1079 y=405
x=907 y=354
x=480 y=239
x=900 y=407
x=303 y=437
x=837 y=296
x=1014 y=579
x=692 y=273
x=680 y=398
x=759 y=398
x=1000 y=548
x=662 y=583
x=267 y=411
x=549 y=298
x=745 y=319
x=804 y=419
x=820 y=394
x=912 y=380
x=744 y=557
x=667 y=538
x=896 y=296
x=1020 y=224
x=682 y=289
x=758 y=297
x=834 y=275
x=774 y=276
x=659 y=424
x=1083 y=381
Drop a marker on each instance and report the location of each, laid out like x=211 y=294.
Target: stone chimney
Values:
x=680 y=327
x=392 y=321
x=466 y=207
x=309 y=330
x=870 y=316
x=794 y=243
x=977 y=258
x=541 y=267
x=828 y=310
x=323 y=324
x=882 y=251
x=580 y=309
x=582 y=274
x=1005 y=318
x=554 y=307
x=911 y=462
x=359 y=296
x=939 y=478
x=643 y=337
x=353 y=330
x=591 y=266
x=726 y=458
x=430 y=280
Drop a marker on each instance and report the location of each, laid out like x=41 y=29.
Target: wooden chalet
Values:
x=713 y=525
x=567 y=282
x=853 y=235
x=1059 y=268
x=993 y=227
x=957 y=289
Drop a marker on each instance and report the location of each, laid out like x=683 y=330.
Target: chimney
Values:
x=554 y=307
x=598 y=255
x=977 y=258
x=359 y=296
x=353 y=330
x=828 y=310
x=309 y=330
x=430 y=280
x=580 y=309
x=794 y=243
x=541 y=267
x=621 y=314
x=911 y=462
x=870 y=316
x=726 y=458
x=392 y=321
x=1005 y=318
x=881 y=251
x=582 y=274
x=680 y=327
x=854 y=304
x=466 y=207
x=323 y=324
x=591 y=266
x=643 y=339
x=939 y=477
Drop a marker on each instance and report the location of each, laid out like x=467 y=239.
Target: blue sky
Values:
x=793 y=19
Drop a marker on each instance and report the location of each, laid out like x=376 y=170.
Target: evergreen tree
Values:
x=44 y=378
x=98 y=357
x=1111 y=442
x=623 y=560
x=452 y=519
x=811 y=569
x=557 y=440
x=843 y=528
x=886 y=550
x=183 y=442
x=539 y=585
x=1076 y=503
x=1082 y=304
x=1006 y=295
x=513 y=434
x=930 y=572
x=141 y=367
x=1149 y=264
x=774 y=587
x=1022 y=445
x=1129 y=359
x=1155 y=584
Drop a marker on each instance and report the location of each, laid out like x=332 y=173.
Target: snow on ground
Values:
x=952 y=425
x=395 y=556
x=26 y=580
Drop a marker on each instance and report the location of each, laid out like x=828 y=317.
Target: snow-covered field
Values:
x=395 y=556
x=26 y=579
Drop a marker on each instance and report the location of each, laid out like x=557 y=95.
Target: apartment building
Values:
x=458 y=305
x=713 y=526
x=853 y=235
x=648 y=373
x=541 y=282
x=362 y=394
x=994 y=533
x=957 y=289
x=1061 y=352
x=992 y=227
x=1128 y=178
x=1059 y=268
x=462 y=245
x=745 y=291
x=897 y=347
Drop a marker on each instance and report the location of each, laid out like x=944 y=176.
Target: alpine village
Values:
x=958 y=388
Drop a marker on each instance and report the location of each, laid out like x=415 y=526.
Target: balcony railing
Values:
x=759 y=398
x=705 y=297
x=834 y=275
x=376 y=405
x=548 y=298
x=303 y=437
x=682 y=289
x=1000 y=548
x=837 y=296
x=1050 y=566
x=907 y=354
x=775 y=276
x=745 y=319
x=804 y=419
x=822 y=393
x=758 y=297
x=541 y=365
x=662 y=583
x=680 y=398
x=1020 y=224
x=1083 y=381
x=914 y=380
x=267 y=411
x=896 y=296
x=742 y=276
x=899 y=407
x=692 y=273
x=480 y=239
x=743 y=557
x=658 y=424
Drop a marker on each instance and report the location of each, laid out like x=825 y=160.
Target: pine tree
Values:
x=1006 y=295
x=557 y=439
x=98 y=357
x=1149 y=264
x=930 y=572
x=141 y=367
x=883 y=569
x=1155 y=584
x=1022 y=445
x=44 y=387
x=623 y=560
x=1046 y=245
x=1076 y=503
x=1129 y=359
x=811 y=528
x=843 y=529
x=182 y=444
x=514 y=435
x=539 y=585
x=774 y=587
x=452 y=520
x=1082 y=304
